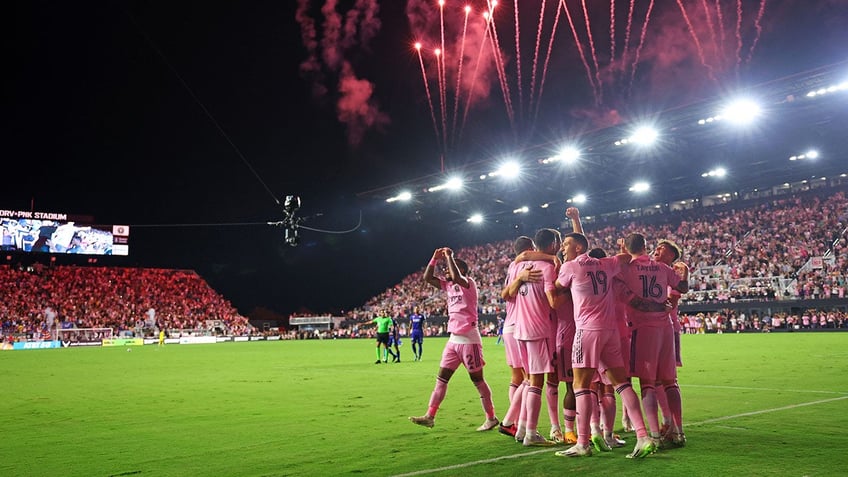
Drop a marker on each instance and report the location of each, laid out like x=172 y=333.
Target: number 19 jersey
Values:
x=590 y=281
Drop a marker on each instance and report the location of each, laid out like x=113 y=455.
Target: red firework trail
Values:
x=641 y=44
x=545 y=67
x=497 y=52
x=759 y=28
x=474 y=76
x=627 y=35
x=440 y=74
x=459 y=68
x=612 y=32
x=738 y=34
x=442 y=81
x=536 y=52
x=580 y=49
x=711 y=26
x=695 y=39
x=518 y=57
x=720 y=25
x=427 y=89
x=594 y=55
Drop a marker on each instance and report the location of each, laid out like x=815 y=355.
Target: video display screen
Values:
x=43 y=235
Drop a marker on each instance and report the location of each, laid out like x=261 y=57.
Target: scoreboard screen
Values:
x=39 y=232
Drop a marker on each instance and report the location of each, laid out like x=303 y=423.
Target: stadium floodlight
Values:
x=718 y=172
x=642 y=136
x=640 y=187
x=476 y=219
x=741 y=111
x=578 y=199
x=830 y=89
x=569 y=155
x=811 y=154
x=404 y=196
x=454 y=183
x=508 y=170
x=521 y=210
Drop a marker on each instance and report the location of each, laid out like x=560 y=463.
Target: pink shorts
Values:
x=537 y=356
x=513 y=355
x=470 y=355
x=598 y=349
x=652 y=354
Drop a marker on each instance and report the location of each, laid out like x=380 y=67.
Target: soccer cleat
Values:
x=537 y=440
x=644 y=447
x=674 y=439
x=489 y=424
x=576 y=451
x=556 y=436
x=614 y=442
x=520 y=432
x=507 y=430
x=377 y=362
x=570 y=437
x=599 y=443
x=425 y=420
x=666 y=430
x=627 y=424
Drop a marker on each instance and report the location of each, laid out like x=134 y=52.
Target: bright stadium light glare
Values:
x=640 y=187
x=521 y=210
x=454 y=183
x=569 y=155
x=741 y=111
x=404 y=196
x=508 y=170
x=718 y=172
x=644 y=136
x=579 y=199
x=476 y=219
x=812 y=154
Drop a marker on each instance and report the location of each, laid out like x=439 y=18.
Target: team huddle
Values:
x=577 y=316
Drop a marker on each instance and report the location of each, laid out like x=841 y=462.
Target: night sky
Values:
x=189 y=121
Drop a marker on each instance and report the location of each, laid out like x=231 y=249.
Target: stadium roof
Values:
x=797 y=115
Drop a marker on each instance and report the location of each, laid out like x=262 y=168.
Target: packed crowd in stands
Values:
x=40 y=299
x=782 y=248
x=786 y=248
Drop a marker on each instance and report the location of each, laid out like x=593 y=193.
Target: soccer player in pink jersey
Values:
x=515 y=276
x=652 y=336
x=668 y=252
x=596 y=341
x=535 y=332
x=465 y=346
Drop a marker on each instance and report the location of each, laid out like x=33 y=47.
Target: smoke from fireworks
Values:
x=356 y=107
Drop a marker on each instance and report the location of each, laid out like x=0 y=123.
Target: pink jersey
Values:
x=511 y=273
x=590 y=281
x=565 y=321
x=649 y=280
x=533 y=314
x=462 y=306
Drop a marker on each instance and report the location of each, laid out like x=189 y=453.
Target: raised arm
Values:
x=574 y=214
x=683 y=272
x=429 y=276
x=455 y=274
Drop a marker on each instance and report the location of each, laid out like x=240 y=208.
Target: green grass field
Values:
x=755 y=404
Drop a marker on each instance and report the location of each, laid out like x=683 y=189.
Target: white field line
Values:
x=701 y=423
x=740 y=388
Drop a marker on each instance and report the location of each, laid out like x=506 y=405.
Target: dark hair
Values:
x=634 y=243
x=522 y=243
x=597 y=252
x=580 y=239
x=461 y=265
x=673 y=246
x=544 y=238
